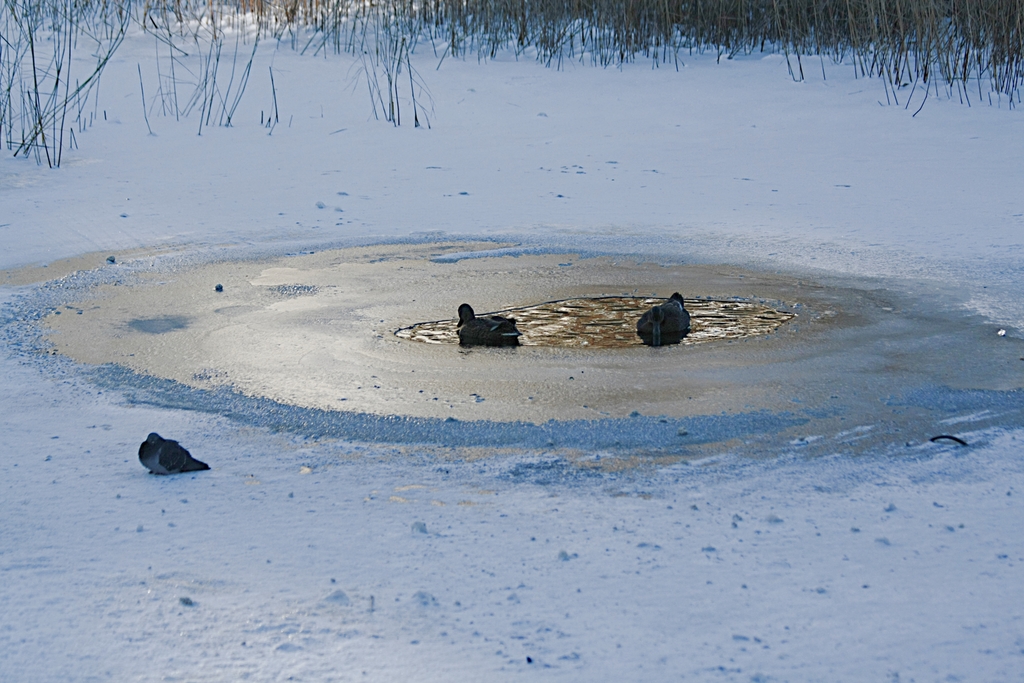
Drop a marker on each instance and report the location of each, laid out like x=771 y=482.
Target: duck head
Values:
x=465 y=314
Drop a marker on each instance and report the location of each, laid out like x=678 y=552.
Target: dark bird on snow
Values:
x=488 y=330
x=164 y=456
x=665 y=324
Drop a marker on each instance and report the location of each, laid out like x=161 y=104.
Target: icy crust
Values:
x=639 y=432
x=901 y=414
x=22 y=312
x=646 y=434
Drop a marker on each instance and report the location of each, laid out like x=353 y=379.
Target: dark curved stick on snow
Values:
x=486 y=330
x=165 y=456
x=948 y=437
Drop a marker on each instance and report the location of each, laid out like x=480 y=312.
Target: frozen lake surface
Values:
x=307 y=343
x=790 y=521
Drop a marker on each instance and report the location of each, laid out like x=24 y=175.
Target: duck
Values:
x=166 y=456
x=488 y=330
x=664 y=324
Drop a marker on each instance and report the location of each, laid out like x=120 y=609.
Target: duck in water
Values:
x=664 y=324
x=488 y=330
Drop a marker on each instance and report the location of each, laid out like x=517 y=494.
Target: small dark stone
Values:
x=218 y=288
x=186 y=601
x=529 y=660
x=111 y=259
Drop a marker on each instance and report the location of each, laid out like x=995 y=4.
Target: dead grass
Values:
x=967 y=46
x=970 y=49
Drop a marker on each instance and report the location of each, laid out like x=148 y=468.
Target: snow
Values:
x=312 y=556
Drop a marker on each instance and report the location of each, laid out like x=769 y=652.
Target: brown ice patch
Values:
x=319 y=331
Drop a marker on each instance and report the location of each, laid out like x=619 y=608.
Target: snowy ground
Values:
x=302 y=557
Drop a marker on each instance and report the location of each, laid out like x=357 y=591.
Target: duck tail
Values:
x=194 y=465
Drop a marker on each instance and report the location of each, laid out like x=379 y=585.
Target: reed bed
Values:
x=971 y=49
x=945 y=41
